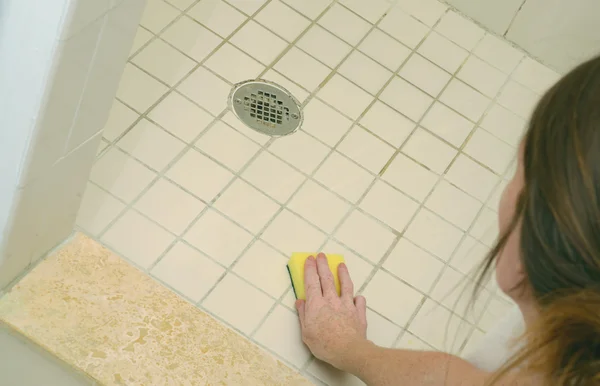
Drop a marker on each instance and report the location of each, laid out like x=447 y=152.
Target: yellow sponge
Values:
x=296 y=270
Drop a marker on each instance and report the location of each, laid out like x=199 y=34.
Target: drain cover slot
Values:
x=266 y=107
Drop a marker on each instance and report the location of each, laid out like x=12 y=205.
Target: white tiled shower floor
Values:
x=413 y=114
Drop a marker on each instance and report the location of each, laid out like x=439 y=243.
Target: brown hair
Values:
x=559 y=213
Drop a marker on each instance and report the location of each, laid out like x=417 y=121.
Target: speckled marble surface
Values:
x=101 y=315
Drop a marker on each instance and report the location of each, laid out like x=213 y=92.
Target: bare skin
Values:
x=335 y=329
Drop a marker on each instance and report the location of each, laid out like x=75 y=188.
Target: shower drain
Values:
x=266 y=107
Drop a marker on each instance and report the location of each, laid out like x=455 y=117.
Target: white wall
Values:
x=60 y=65
x=18 y=358
x=561 y=33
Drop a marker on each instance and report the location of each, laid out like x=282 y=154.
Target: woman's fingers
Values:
x=361 y=305
x=346 y=284
x=325 y=275
x=312 y=283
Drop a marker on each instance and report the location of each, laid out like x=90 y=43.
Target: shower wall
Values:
x=60 y=65
x=562 y=33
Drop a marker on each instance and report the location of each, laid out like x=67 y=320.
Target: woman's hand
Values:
x=333 y=327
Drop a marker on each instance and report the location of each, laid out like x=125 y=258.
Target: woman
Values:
x=547 y=260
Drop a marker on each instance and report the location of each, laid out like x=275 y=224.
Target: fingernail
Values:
x=311 y=257
x=322 y=255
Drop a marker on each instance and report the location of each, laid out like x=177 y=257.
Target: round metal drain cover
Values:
x=266 y=107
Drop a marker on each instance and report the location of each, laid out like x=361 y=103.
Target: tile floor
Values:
x=413 y=114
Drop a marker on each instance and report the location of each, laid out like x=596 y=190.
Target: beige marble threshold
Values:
x=117 y=325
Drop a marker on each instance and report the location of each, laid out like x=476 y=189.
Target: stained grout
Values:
x=307 y=177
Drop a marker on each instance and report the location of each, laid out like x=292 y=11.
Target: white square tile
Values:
x=289 y=299
x=344 y=177
x=181 y=4
x=195 y=86
x=324 y=122
x=319 y=206
x=345 y=24
x=443 y=52
x=218 y=237
x=238 y=303
x=138 y=89
x=504 y=124
x=121 y=175
x=485 y=227
x=465 y=100
x=359 y=268
x=97 y=209
x=120 y=119
x=180 y=117
x=282 y=20
x=433 y=234
x=494 y=200
x=469 y=256
x=311 y=9
x=388 y=124
x=482 y=76
x=199 y=174
x=345 y=96
x=399 y=307
x=366 y=149
x=302 y=68
x=137 y=239
x=192 y=38
x=403 y=27
x=259 y=42
x=292 y=87
x=247 y=206
x=425 y=75
x=460 y=30
x=332 y=376
x=217 y=15
x=188 y=271
x=474 y=343
x=410 y=177
x=157 y=15
x=489 y=150
x=381 y=331
x=472 y=177
x=227 y=146
x=324 y=45
x=453 y=205
x=498 y=53
x=233 y=64
x=169 y=206
x=164 y=62
x=413 y=265
x=410 y=342
x=384 y=49
x=143 y=140
x=455 y=291
x=103 y=145
x=518 y=99
x=429 y=151
x=289 y=233
x=406 y=98
x=264 y=267
x=389 y=205
x=427 y=11
x=273 y=176
x=281 y=333
x=365 y=72
x=447 y=124
x=372 y=10
x=295 y=148
x=535 y=75
x=365 y=235
x=249 y=7
x=439 y=327
x=142 y=37
x=234 y=122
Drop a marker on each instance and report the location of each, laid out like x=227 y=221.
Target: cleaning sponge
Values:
x=296 y=270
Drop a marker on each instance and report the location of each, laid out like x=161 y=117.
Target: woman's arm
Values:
x=334 y=329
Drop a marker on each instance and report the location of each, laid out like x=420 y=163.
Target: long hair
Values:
x=558 y=211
